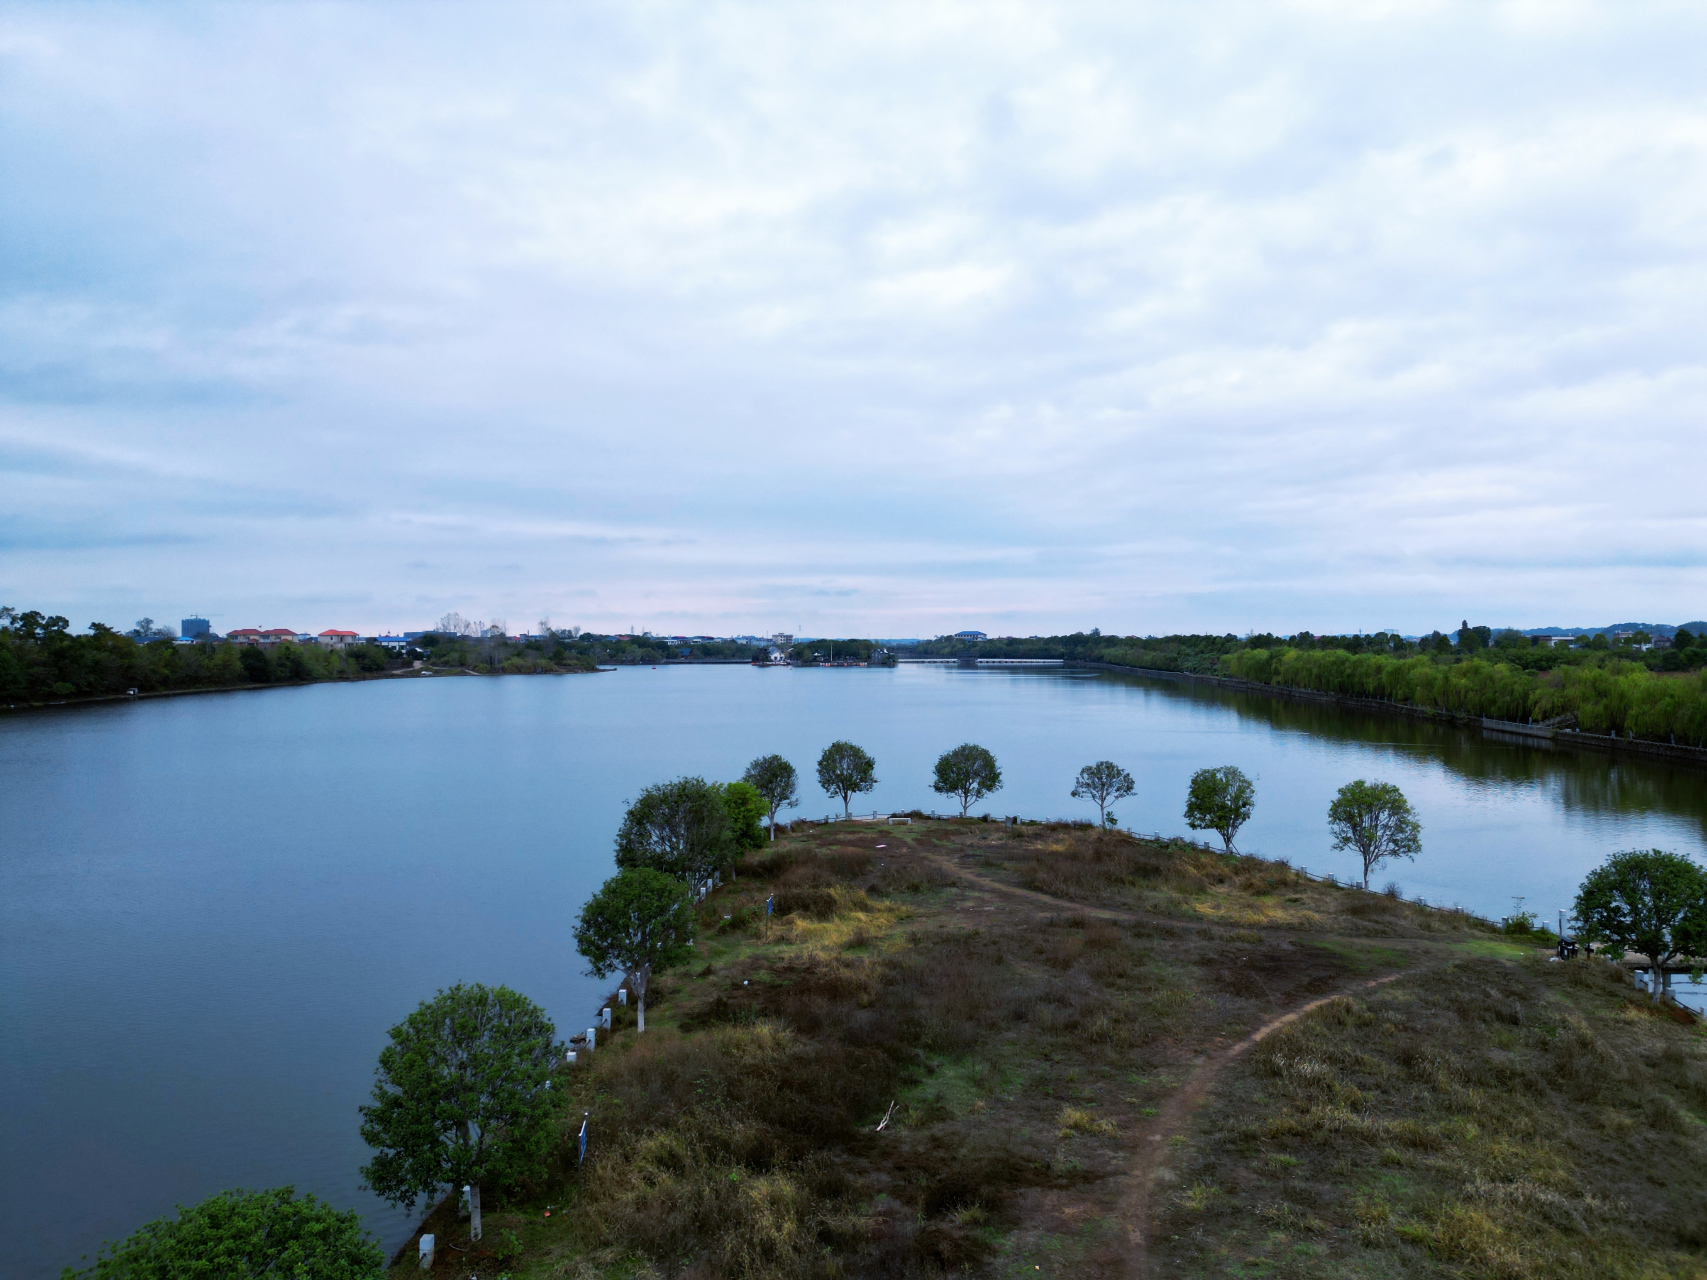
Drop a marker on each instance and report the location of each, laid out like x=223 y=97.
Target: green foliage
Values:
x=776 y=781
x=1220 y=800
x=745 y=806
x=968 y=773
x=639 y=921
x=1104 y=782
x=460 y=1095
x=1646 y=900
x=1376 y=820
x=680 y=828
x=239 y=1235
x=40 y=659
x=846 y=770
x=1614 y=696
x=813 y=651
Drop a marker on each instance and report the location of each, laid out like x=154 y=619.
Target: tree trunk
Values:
x=637 y=982
x=474 y=1211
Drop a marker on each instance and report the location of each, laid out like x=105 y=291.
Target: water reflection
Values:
x=1583 y=781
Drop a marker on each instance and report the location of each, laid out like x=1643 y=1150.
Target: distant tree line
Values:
x=1609 y=686
x=41 y=660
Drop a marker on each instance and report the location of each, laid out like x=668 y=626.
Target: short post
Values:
x=427 y=1243
x=622 y=995
x=570 y=1057
x=604 y=1017
x=592 y=1038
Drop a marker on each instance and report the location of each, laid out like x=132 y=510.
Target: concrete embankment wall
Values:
x=1531 y=734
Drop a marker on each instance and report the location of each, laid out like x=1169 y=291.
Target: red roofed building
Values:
x=274 y=634
x=337 y=639
x=245 y=635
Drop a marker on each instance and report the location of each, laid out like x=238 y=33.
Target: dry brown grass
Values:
x=1498 y=1122
x=1490 y=1121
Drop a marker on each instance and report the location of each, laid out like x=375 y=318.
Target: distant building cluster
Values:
x=197 y=630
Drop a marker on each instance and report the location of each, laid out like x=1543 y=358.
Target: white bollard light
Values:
x=622 y=995
x=427 y=1243
x=592 y=1038
x=571 y=1057
x=604 y=1017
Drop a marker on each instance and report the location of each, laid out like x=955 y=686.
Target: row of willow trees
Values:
x=1623 y=698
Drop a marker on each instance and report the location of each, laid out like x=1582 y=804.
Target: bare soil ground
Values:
x=963 y=1048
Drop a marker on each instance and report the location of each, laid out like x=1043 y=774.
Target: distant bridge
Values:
x=986 y=662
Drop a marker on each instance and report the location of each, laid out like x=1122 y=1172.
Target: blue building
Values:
x=195 y=629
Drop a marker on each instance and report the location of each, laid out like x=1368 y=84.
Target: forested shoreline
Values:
x=1599 y=686
x=43 y=661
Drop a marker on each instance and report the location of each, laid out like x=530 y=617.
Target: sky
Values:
x=882 y=319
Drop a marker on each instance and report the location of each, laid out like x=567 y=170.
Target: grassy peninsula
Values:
x=967 y=1048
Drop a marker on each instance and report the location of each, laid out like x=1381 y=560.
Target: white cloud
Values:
x=878 y=320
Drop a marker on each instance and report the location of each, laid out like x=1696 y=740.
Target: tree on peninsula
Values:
x=846 y=770
x=1376 y=820
x=1104 y=782
x=968 y=773
x=776 y=781
x=1220 y=800
x=680 y=828
x=745 y=807
x=1647 y=901
x=245 y=1234
x=459 y=1097
x=638 y=923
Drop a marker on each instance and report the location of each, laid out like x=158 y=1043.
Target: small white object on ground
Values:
x=427 y=1243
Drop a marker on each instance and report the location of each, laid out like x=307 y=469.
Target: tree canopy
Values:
x=1376 y=820
x=1220 y=800
x=968 y=773
x=846 y=770
x=1104 y=782
x=776 y=781
x=245 y=1235
x=1648 y=901
x=639 y=922
x=745 y=807
x=460 y=1095
x=680 y=828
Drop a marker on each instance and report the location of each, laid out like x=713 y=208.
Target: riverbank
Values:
x=406 y=673
x=964 y=1047
x=1531 y=735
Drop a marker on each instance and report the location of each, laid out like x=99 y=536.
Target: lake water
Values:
x=216 y=905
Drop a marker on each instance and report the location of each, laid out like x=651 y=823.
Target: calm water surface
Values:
x=216 y=905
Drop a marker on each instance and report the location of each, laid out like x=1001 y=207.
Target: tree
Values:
x=460 y=1097
x=775 y=780
x=1220 y=800
x=1375 y=819
x=745 y=807
x=680 y=828
x=1648 y=901
x=245 y=1235
x=846 y=770
x=1104 y=782
x=640 y=921
x=967 y=773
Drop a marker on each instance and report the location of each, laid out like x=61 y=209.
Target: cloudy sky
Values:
x=856 y=319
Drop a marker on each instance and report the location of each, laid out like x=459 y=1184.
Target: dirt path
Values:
x=1153 y=1142
x=1152 y=1146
